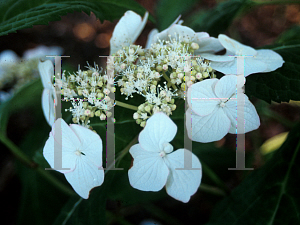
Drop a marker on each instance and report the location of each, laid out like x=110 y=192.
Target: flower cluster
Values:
x=91 y=88
x=176 y=62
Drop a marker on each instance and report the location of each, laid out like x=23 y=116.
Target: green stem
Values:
x=169 y=81
x=212 y=190
x=127 y=106
x=214 y=177
x=126 y=149
x=276 y=2
x=55 y=182
x=30 y=163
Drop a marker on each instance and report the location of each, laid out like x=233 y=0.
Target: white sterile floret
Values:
x=81 y=154
x=201 y=41
x=156 y=165
x=255 y=61
x=127 y=30
x=214 y=108
x=46 y=71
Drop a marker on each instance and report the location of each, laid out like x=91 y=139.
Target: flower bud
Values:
x=102 y=116
x=143 y=124
x=136 y=115
x=195 y=46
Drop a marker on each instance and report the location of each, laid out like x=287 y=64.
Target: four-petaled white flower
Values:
x=186 y=34
x=154 y=165
x=127 y=30
x=81 y=154
x=256 y=61
x=46 y=71
x=214 y=109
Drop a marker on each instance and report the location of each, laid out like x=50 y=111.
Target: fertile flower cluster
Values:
x=88 y=90
x=168 y=69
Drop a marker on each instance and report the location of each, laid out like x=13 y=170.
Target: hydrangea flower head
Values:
x=81 y=154
x=156 y=165
x=213 y=109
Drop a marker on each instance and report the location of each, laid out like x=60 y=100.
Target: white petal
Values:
x=46 y=70
x=91 y=144
x=48 y=106
x=42 y=51
x=69 y=145
x=201 y=97
x=208 y=44
x=226 y=86
x=186 y=34
x=85 y=176
x=248 y=112
x=8 y=56
x=159 y=129
x=182 y=184
x=163 y=35
x=217 y=58
x=272 y=59
x=253 y=65
x=212 y=127
x=127 y=30
x=149 y=171
x=201 y=35
x=151 y=38
x=235 y=47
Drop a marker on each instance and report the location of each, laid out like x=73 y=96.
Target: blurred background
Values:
x=84 y=39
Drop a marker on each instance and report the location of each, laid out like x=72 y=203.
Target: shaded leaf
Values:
x=269 y=195
x=27 y=96
x=167 y=11
x=21 y=14
x=283 y=84
x=216 y=21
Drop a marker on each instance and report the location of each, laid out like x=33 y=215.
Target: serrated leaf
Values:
x=283 y=84
x=269 y=195
x=215 y=21
x=21 y=14
x=167 y=11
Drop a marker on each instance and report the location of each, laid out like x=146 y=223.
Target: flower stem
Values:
x=212 y=190
x=30 y=163
x=169 y=81
x=214 y=177
x=126 y=149
x=127 y=106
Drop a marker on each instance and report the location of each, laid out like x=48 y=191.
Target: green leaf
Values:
x=91 y=211
x=167 y=11
x=21 y=14
x=40 y=202
x=28 y=96
x=290 y=35
x=269 y=195
x=216 y=21
x=282 y=84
